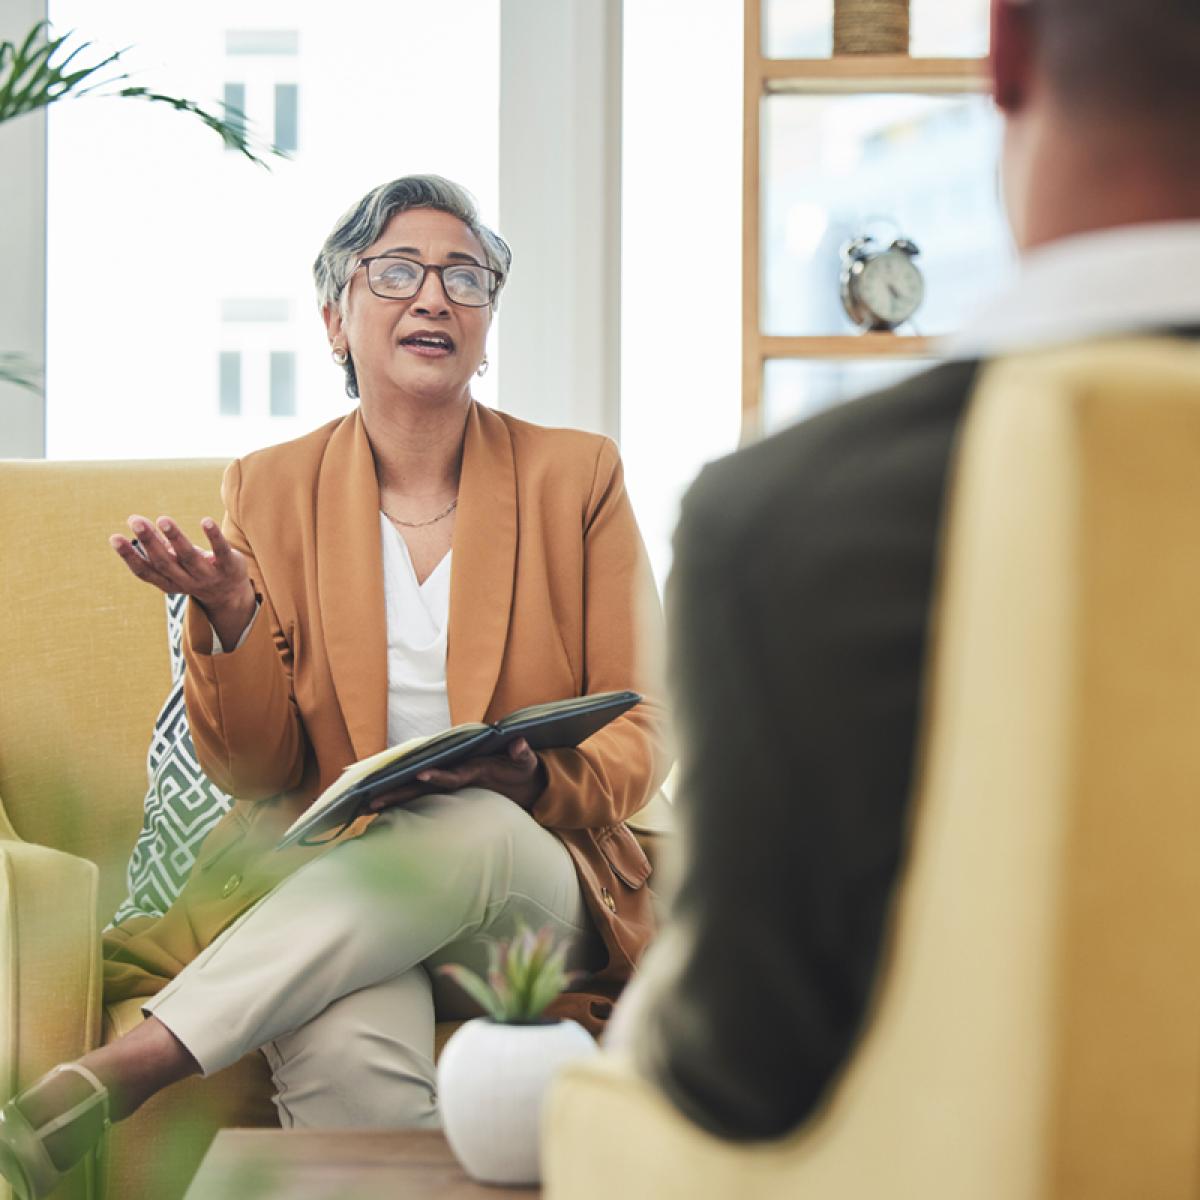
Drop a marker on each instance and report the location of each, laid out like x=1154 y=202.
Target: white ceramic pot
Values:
x=492 y=1082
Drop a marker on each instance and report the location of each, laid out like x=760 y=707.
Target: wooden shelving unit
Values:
x=846 y=75
x=859 y=74
x=860 y=345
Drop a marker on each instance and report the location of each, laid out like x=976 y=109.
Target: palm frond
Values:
x=231 y=128
x=21 y=372
x=39 y=72
x=44 y=69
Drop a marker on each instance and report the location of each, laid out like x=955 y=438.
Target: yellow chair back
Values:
x=1035 y=1033
x=83 y=648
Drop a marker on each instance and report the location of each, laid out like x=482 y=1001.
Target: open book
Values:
x=556 y=724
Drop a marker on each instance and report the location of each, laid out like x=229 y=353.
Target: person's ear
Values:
x=1012 y=54
x=332 y=316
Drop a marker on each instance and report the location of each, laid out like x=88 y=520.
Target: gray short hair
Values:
x=361 y=226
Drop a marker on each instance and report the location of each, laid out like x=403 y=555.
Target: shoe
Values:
x=24 y=1161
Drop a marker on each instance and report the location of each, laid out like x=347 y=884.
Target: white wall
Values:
x=560 y=207
x=681 y=314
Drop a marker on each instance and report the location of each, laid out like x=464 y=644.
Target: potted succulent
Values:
x=494 y=1071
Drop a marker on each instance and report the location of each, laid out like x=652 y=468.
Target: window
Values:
x=284 y=42
x=862 y=146
x=830 y=166
x=287 y=116
x=255 y=308
x=196 y=259
x=836 y=167
x=681 y=268
x=235 y=105
x=283 y=383
x=231 y=383
x=797 y=388
x=937 y=28
x=252 y=330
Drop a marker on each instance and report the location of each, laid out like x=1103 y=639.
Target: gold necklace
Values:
x=420 y=524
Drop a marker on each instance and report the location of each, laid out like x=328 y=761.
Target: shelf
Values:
x=837 y=75
x=862 y=345
x=855 y=74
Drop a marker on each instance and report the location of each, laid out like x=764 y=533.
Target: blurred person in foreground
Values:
x=421 y=561
x=798 y=606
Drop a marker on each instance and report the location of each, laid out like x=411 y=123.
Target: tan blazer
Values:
x=551 y=596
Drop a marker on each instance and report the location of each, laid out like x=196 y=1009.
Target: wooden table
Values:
x=302 y=1164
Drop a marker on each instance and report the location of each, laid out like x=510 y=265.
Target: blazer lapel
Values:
x=350 y=583
x=484 y=564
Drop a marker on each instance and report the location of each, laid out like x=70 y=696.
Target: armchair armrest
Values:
x=50 y=970
x=608 y=1132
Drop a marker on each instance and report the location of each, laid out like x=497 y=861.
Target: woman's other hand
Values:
x=216 y=579
x=517 y=773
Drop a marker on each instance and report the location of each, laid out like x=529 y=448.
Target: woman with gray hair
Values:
x=420 y=562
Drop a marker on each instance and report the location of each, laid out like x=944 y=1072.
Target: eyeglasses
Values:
x=394 y=278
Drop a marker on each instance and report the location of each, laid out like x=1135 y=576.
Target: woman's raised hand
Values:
x=216 y=579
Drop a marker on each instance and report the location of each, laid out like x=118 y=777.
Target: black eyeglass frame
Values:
x=497 y=278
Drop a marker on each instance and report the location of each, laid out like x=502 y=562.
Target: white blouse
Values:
x=418 y=615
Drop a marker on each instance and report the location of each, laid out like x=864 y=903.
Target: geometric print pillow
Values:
x=182 y=804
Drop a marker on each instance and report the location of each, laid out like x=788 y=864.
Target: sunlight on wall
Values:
x=681 y=255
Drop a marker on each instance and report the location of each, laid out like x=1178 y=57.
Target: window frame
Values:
x=561 y=352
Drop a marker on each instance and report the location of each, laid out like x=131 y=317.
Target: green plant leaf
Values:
x=21 y=372
x=475 y=988
x=231 y=128
x=525 y=974
x=517 y=972
x=533 y=964
x=548 y=984
x=541 y=948
x=31 y=77
x=41 y=71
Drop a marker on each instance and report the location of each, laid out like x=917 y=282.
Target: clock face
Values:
x=891 y=288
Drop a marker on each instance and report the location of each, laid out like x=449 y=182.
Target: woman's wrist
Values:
x=230 y=619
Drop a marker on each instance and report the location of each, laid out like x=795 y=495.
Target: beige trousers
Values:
x=332 y=973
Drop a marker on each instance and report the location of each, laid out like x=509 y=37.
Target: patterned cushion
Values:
x=181 y=805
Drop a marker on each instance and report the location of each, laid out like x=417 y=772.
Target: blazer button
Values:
x=231 y=885
x=609 y=902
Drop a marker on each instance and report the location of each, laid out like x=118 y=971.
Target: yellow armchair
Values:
x=85 y=670
x=1034 y=1033
x=50 y=951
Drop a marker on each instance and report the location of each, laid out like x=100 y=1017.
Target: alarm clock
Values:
x=882 y=287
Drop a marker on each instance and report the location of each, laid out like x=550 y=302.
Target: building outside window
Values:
x=235 y=106
x=287 y=117
x=184 y=240
x=230 y=383
x=283 y=383
x=176 y=226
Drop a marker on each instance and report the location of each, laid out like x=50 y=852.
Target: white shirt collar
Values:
x=1091 y=285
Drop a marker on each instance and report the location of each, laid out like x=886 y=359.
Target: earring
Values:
x=483 y=367
x=340 y=356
